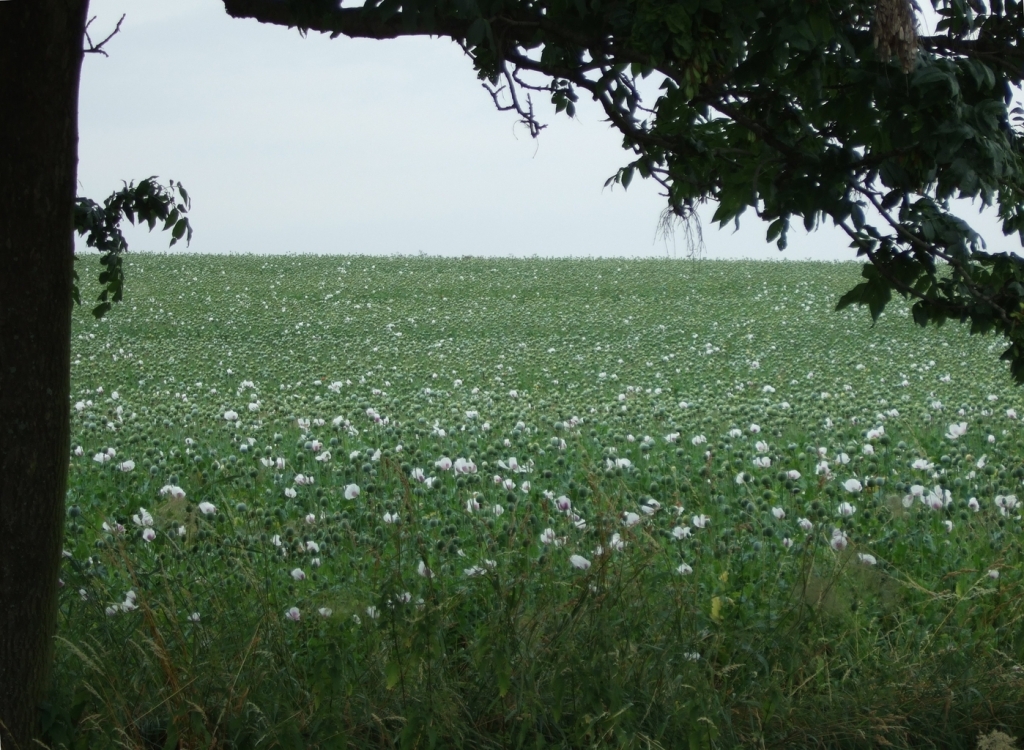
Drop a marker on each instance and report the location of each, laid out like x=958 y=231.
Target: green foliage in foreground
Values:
x=683 y=472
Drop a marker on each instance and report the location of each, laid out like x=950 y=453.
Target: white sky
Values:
x=291 y=145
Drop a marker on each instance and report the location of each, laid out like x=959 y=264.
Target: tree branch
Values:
x=98 y=48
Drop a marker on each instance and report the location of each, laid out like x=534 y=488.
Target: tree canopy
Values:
x=796 y=110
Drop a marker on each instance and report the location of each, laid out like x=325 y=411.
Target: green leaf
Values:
x=476 y=32
x=392 y=673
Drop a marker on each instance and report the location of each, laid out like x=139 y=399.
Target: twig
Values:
x=98 y=48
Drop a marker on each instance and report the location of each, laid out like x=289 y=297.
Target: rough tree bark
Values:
x=40 y=61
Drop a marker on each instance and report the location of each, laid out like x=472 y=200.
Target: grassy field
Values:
x=420 y=502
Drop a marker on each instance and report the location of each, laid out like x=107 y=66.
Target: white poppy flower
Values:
x=578 y=561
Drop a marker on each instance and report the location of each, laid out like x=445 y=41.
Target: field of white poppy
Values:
x=421 y=502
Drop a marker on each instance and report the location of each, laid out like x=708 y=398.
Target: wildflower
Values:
x=231 y=416
x=472 y=505
x=207 y=509
x=868 y=449
x=779 y=513
x=672 y=437
x=290 y=492
x=194 y=617
x=312 y=546
x=578 y=561
x=310 y=518
x=476 y=570
x=630 y=519
x=701 y=521
x=681 y=532
x=279 y=464
x=949 y=525
x=142 y=518
x=351 y=491
x=684 y=569
x=937 y=499
x=298 y=574
x=391 y=518
x=754 y=429
x=548 y=536
x=922 y=464
x=325 y=611
x=846 y=509
x=525 y=487
x=126 y=466
x=148 y=534
x=444 y=463
x=973 y=504
x=805 y=524
x=956 y=430
x=839 y=540
x=852 y=486
x=563 y=503
x=991 y=438
x=698 y=440
x=761 y=446
x=101 y=458
x=787 y=542
x=464 y=466
x=423 y=570
x=372 y=612
x=843 y=458
x=993 y=574
x=793 y=474
x=79 y=450
x=324 y=457
x=302 y=479
x=762 y=462
x=498 y=510
x=616 y=542
x=1006 y=503
x=866 y=558
x=293 y=614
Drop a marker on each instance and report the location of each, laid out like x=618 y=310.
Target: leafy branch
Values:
x=150 y=203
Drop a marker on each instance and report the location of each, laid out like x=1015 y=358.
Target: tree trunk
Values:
x=40 y=61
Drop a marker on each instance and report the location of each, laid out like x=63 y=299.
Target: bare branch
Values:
x=98 y=48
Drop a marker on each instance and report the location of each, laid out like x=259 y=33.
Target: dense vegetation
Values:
x=334 y=501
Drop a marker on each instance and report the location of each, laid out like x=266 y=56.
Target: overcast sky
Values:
x=292 y=145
